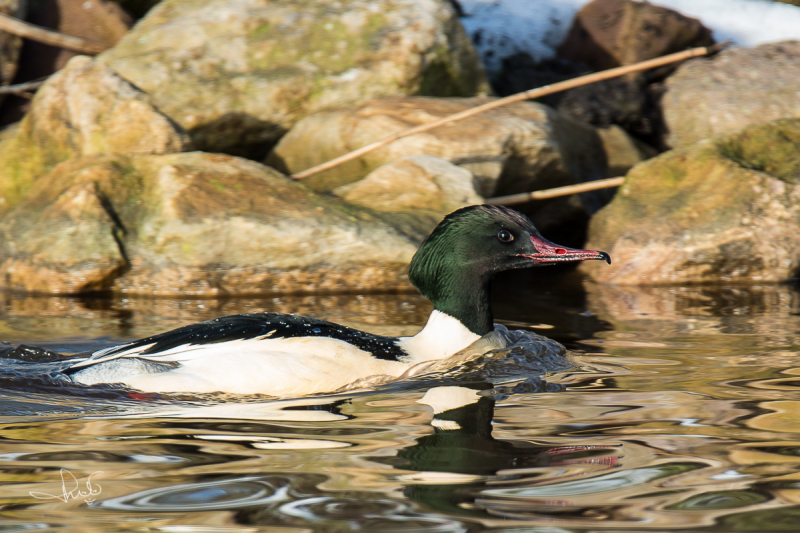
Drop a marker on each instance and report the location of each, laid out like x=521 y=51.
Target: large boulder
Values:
x=520 y=147
x=237 y=74
x=85 y=109
x=723 y=210
x=191 y=223
x=731 y=90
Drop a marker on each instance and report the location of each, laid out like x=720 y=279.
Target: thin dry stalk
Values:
x=521 y=198
x=527 y=95
x=42 y=35
x=21 y=88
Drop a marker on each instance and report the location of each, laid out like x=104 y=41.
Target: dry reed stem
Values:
x=42 y=35
x=521 y=198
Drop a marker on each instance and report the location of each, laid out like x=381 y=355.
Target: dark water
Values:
x=680 y=411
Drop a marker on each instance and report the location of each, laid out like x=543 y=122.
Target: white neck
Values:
x=441 y=337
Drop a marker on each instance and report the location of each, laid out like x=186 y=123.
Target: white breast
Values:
x=441 y=337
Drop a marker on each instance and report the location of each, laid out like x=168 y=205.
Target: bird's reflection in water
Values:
x=461 y=458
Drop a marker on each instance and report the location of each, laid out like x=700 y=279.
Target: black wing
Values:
x=248 y=326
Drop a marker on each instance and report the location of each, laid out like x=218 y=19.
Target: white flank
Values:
x=278 y=367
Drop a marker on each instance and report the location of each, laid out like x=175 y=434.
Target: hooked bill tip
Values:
x=606 y=257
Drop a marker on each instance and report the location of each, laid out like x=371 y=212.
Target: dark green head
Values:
x=455 y=264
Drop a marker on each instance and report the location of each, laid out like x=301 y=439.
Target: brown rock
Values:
x=735 y=88
x=611 y=33
x=516 y=148
x=85 y=109
x=237 y=74
x=723 y=210
x=192 y=223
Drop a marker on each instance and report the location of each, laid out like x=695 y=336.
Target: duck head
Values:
x=454 y=266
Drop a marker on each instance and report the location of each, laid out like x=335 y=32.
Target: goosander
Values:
x=287 y=355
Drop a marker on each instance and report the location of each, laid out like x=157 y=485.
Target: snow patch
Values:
x=500 y=28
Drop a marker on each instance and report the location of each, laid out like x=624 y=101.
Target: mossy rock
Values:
x=723 y=210
x=238 y=80
x=192 y=223
x=85 y=109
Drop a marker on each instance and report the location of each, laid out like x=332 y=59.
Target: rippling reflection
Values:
x=211 y=495
x=681 y=414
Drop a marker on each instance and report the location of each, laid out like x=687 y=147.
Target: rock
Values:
x=516 y=148
x=65 y=239
x=723 y=210
x=85 y=109
x=623 y=152
x=238 y=74
x=100 y=21
x=611 y=33
x=415 y=192
x=192 y=224
x=412 y=183
x=731 y=90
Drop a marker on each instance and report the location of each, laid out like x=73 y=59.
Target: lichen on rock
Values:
x=723 y=210
x=85 y=109
x=192 y=223
x=238 y=74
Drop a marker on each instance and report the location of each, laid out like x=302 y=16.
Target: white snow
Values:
x=503 y=27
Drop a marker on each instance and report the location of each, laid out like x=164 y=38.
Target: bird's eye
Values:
x=505 y=236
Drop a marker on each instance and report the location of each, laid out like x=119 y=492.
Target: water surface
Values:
x=680 y=410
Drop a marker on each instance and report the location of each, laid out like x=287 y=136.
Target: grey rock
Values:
x=738 y=87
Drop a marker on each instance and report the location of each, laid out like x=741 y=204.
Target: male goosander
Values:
x=288 y=355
